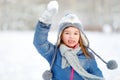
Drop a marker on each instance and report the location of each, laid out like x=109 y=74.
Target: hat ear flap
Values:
x=59 y=39
x=84 y=39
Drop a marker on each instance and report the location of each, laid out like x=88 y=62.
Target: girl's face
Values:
x=70 y=36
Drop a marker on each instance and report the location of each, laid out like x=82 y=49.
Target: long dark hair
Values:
x=84 y=49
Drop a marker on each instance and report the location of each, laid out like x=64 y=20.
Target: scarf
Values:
x=69 y=58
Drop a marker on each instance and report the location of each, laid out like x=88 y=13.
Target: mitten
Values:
x=50 y=12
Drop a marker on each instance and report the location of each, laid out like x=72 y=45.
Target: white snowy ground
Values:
x=19 y=59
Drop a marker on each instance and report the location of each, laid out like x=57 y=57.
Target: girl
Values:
x=73 y=60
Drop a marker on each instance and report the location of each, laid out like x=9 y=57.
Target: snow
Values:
x=19 y=60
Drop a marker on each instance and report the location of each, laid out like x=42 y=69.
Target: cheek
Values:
x=64 y=39
x=77 y=38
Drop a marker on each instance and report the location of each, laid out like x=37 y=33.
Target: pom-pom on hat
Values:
x=71 y=20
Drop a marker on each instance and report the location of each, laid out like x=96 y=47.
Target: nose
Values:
x=71 y=36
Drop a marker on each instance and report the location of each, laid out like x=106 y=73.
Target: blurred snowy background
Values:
x=94 y=14
x=19 y=60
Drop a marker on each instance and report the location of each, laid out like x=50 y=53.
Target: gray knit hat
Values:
x=71 y=20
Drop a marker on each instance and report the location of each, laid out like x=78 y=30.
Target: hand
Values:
x=50 y=12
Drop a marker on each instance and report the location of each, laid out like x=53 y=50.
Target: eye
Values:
x=66 y=33
x=76 y=33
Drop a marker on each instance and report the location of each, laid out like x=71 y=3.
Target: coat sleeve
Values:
x=43 y=46
x=94 y=69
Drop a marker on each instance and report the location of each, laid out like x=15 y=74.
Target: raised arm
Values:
x=44 y=47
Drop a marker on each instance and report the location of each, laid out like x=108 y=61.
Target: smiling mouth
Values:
x=71 y=41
